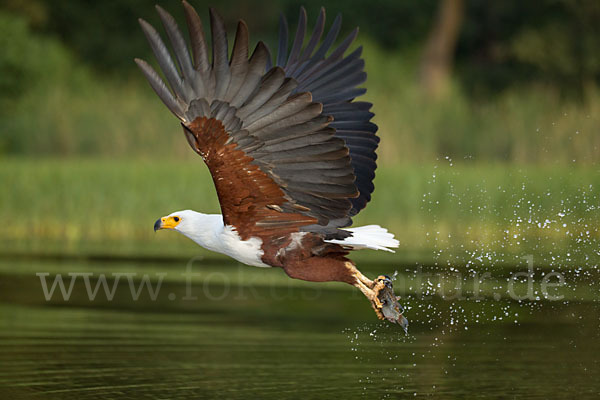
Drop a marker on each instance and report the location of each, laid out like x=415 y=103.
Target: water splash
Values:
x=517 y=228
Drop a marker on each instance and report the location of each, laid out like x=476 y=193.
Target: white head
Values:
x=179 y=221
x=201 y=228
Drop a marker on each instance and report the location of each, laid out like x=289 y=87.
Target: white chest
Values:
x=245 y=251
x=208 y=231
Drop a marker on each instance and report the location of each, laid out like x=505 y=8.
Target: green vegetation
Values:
x=525 y=125
x=481 y=214
x=64 y=106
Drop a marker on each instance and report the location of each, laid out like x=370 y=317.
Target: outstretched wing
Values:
x=333 y=81
x=277 y=164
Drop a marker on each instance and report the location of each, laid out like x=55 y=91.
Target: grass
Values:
x=442 y=213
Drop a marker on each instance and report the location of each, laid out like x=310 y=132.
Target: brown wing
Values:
x=250 y=200
x=275 y=160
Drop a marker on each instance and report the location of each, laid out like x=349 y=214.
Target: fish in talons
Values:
x=390 y=306
x=380 y=293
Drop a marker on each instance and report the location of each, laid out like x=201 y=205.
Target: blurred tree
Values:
x=18 y=69
x=438 y=56
x=564 y=48
x=28 y=63
x=106 y=35
x=513 y=42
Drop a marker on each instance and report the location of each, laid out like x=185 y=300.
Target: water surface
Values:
x=253 y=333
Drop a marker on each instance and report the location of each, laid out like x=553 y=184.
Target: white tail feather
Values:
x=371 y=237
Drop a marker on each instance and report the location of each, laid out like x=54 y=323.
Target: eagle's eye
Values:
x=176 y=219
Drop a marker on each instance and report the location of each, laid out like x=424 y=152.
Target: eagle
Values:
x=290 y=150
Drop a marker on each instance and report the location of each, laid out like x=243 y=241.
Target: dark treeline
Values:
x=500 y=43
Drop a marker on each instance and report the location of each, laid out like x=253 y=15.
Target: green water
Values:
x=253 y=333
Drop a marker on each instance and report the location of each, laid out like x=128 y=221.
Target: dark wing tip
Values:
x=187 y=6
x=149 y=31
x=282 y=19
x=164 y=14
x=214 y=14
x=242 y=23
x=261 y=46
x=303 y=12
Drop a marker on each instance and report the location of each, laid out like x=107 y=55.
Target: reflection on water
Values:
x=277 y=340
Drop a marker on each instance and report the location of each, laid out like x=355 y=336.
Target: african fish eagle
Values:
x=290 y=151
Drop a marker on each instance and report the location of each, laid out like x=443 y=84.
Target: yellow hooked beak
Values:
x=167 y=223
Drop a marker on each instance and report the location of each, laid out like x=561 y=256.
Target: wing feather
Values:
x=180 y=48
x=299 y=39
x=239 y=62
x=256 y=68
x=283 y=39
x=161 y=89
x=220 y=50
x=333 y=80
x=165 y=62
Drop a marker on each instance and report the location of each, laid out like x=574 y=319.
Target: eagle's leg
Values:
x=380 y=293
x=372 y=296
x=337 y=269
